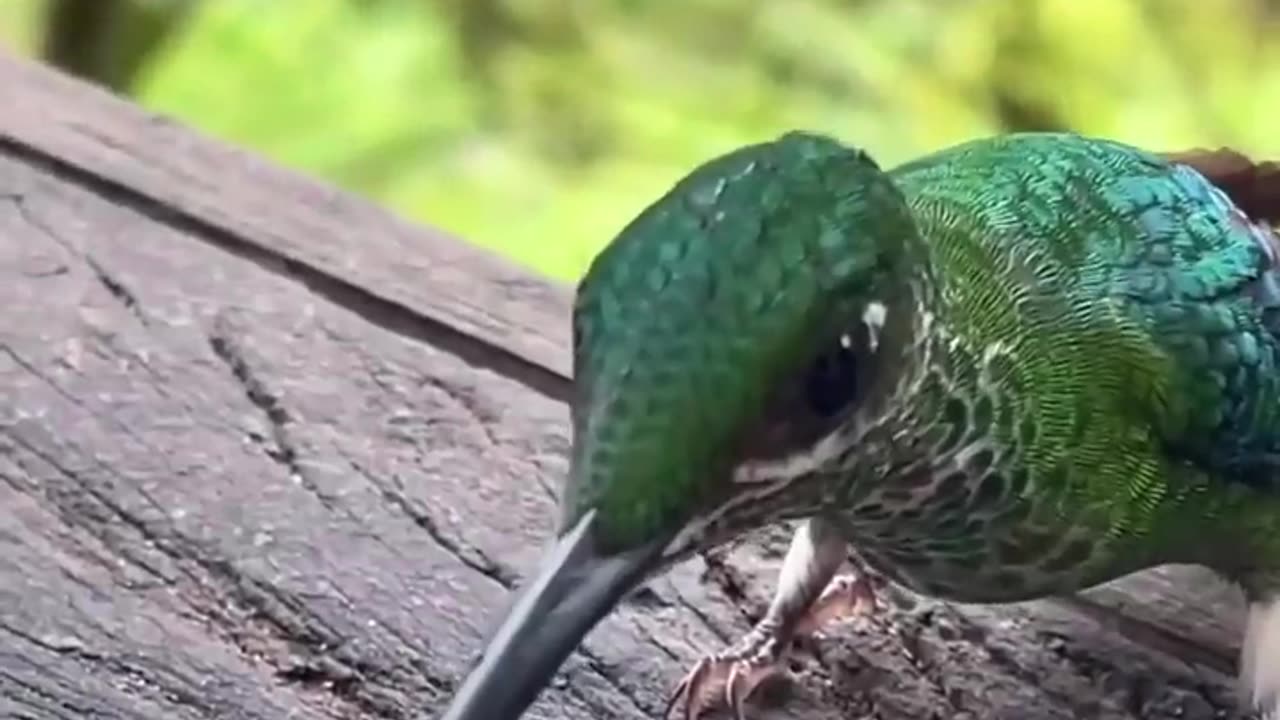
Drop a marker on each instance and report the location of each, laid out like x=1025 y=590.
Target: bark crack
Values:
x=47 y=700
x=467 y=402
x=390 y=315
x=241 y=607
x=116 y=288
x=141 y=680
x=279 y=445
x=464 y=552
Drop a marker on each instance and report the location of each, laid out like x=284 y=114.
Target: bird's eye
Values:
x=832 y=382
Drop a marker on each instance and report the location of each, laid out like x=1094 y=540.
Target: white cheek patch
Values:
x=759 y=480
x=873 y=316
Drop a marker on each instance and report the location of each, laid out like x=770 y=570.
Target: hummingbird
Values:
x=1017 y=367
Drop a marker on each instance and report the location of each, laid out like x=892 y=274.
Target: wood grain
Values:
x=422 y=280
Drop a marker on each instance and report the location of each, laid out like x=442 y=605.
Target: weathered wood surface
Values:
x=268 y=452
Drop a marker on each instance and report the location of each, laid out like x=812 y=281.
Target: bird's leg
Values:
x=1260 y=656
x=809 y=595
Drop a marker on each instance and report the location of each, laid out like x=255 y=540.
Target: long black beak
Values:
x=577 y=586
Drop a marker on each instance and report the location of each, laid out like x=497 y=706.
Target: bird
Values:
x=1016 y=367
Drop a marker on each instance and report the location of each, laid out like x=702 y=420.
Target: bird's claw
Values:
x=732 y=675
x=846 y=596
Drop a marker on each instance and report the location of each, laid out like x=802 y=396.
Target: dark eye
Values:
x=832 y=382
x=809 y=405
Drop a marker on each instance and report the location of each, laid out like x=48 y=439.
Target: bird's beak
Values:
x=577 y=586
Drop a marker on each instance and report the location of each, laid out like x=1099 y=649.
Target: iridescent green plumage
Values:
x=1113 y=310
x=1054 y=359
x=1100 y=356
x=707 y=298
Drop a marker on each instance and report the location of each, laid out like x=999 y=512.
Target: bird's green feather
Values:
x=685 y=321
x=1125 y=293
x=1095 y=389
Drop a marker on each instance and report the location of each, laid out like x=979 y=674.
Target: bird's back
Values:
x=1125 y=307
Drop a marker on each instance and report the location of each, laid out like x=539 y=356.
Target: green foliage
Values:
x=18 y=27
x=539 y=127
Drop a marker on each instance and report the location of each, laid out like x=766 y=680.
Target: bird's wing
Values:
x=1221 y=317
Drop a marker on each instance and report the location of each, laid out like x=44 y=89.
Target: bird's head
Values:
x=740 y=319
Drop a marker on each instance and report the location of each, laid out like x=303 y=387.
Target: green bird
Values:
x=1018 y=367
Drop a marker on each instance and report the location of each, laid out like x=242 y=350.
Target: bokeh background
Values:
x=539 y=127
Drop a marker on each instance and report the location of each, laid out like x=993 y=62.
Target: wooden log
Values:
x=268 y=452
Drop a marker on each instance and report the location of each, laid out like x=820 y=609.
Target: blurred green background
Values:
x=539 y=127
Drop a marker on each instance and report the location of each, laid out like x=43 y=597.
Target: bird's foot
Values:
x=846 y=596
x=727 y=678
